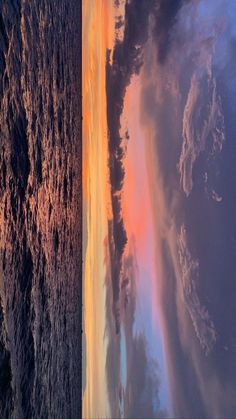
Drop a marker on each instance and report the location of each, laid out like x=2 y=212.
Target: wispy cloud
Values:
x=184 y=104
x=203 y=124
x=189 y=276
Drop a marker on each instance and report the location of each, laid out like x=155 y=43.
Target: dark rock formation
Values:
x=40 y=209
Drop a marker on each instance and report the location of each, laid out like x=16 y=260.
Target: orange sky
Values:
x=137 y=208
x=97 y=36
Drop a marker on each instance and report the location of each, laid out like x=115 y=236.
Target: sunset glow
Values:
x=155 y=107
x=97 y=36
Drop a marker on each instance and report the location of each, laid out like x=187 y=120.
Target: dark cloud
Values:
x=164 y=19
x=140 y=396
x=188 y=99
x=113 y=359
x=143 y=384
x=116 y=3
x=126 y=61
x=119 y=22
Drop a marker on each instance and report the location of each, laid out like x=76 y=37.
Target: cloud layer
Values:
x=187 y=106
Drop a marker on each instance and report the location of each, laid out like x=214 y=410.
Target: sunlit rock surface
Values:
x=40 y=209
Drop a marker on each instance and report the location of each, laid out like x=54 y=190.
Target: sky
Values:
x=139 y=222
x=97 y=36
x=96 y=207
x=159 y=225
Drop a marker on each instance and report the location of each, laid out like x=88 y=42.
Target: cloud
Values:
x=165 y=16
x=124 y=314
x=203 y=325
x=203 y=124
x=182 y=67
x=140 y=396
x=216 y=197
x=126 y=60
x=187 y=109
x=143 y=384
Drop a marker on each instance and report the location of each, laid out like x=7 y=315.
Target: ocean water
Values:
x=40 y=209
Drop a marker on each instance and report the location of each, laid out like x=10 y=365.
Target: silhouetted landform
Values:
x=40 y=199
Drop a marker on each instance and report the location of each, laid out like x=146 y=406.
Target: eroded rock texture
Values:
x=40 y=209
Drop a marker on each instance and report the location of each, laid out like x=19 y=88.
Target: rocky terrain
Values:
x=40 y=209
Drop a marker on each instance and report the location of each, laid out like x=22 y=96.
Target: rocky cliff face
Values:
x=40 y=209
